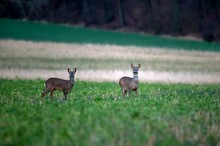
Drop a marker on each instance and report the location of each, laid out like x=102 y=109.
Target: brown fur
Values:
x=128 y=84
x=53 y=84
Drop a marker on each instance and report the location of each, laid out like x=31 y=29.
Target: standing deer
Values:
x=130 y=84
x=53 y=84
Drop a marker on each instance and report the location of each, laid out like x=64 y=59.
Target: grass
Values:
x=163 y=114
x=34 y=31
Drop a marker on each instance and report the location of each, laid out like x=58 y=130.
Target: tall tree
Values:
x=121 y=13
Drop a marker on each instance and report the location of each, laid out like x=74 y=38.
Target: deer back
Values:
x=128 y=83
x=58 y=84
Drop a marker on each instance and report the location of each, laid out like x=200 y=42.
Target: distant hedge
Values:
x=173 y=17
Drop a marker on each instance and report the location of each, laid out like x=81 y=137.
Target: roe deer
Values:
x=130 y=84
x=53 y=84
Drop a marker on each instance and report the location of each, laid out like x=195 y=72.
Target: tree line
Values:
x=199 y=18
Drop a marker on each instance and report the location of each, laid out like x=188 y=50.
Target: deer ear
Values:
x=139 y=65
x=75 y=69
x=68 y=69
x=132 y=65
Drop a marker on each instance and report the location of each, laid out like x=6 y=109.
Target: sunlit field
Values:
x=32 y=60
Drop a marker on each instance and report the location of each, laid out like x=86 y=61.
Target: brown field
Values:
x=31 y=60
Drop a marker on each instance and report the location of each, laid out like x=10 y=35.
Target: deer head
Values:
x=135 y=68
x=71 y=74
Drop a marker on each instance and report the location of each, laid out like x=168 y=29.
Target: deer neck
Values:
x=71 y=81
x=135 y=77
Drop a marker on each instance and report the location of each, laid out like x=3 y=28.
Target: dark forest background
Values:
x=199 y=18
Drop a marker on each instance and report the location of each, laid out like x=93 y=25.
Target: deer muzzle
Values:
x=135 y=73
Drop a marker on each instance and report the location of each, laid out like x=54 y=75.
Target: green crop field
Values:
x=23 y=30
x=163 y=114
x=95 y=114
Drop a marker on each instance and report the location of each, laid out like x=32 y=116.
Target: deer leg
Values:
x=51 y=93
x=136 y=92
x=129 y=93
x=124 y=92
x=65 y=95
x=45 y=92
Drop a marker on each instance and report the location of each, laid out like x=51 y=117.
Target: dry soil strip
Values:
x=102 y=75
x=14 y=48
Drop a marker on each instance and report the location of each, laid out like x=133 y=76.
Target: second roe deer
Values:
x=53 y=84
x=130 y=84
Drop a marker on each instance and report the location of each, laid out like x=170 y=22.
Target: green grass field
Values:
x=23 y=30
x=162 y=114
x=95 y=114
